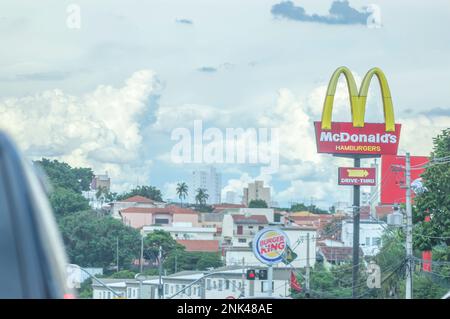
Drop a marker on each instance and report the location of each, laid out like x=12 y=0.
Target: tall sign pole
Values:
x=357 y=139
x=409 y=246
x=356 y=217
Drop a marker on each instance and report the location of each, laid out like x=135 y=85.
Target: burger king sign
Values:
x=269 y=245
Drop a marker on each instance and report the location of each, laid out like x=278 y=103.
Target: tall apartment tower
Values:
x=256 y=191
x=208 y=179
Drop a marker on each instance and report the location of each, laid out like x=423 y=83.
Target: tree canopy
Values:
x=257 y=203
x=150 y=192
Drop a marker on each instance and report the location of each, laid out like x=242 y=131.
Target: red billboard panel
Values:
x=344 y=138
x=393 y=177
x=357 y=176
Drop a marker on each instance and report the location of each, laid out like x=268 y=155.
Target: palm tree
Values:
x=182 y=191
x=201 y=196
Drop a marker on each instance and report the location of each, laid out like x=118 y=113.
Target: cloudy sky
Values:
x=110 y=93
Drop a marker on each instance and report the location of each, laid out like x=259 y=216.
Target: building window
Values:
x=208 y=284
x=242 y=240
x=129 y=292
x=262 y=286
x=227 y=284
x=220 y=284
x=260 y=227
x=367 y=241
x=177 y=288
x=376 y=241
x=189 y=291
x=166 y=289
x=161 y=221
x=239 y=230
x=199 y=290
x=214 y=284
x=109 y=294
x=250 y=227
x=233 y=285
x=171 y=290
x=134 y=293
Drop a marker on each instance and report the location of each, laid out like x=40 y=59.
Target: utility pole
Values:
x=141 y=261
x=356 y=216
x=160 y=288
x=307 y=264
x=409 y=241
x=117 y=254
x=243 y=278
x=270 y=280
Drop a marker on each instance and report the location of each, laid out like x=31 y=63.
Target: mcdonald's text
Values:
x=344 y=138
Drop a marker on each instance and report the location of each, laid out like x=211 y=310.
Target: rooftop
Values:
x=252 y=219
x=200 y=245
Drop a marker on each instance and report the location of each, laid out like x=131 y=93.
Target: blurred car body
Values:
x=32 y=257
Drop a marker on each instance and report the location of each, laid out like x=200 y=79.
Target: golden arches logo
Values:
x=358 y=99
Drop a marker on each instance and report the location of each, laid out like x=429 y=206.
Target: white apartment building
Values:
x=184 y=231
x=256 y=191
x=370 y=233
x=208 y=179
x=228 y=282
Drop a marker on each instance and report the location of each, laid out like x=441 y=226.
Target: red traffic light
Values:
x=251 y=274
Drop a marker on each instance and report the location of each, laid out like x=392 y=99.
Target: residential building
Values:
x=101 y=181
x=231 y=197
x=137 y=217
x=134 y=201
x=239 y=230
x=208 y=179
x=204 y=245
x=369 y=235
x=256 y=191
x=225 y=282
x=185 y=232
x=337 y=255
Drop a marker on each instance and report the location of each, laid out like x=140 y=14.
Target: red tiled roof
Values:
x=156 y=210
x=253 y=219
x=200 y=245
x=138 y=199
x=384 y=210
x=338 y=253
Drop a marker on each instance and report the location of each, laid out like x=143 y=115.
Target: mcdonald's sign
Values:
x=357 y=137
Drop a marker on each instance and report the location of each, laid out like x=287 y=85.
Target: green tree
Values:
x=90 y=240
x=65 y=201
x=202 y=196
x=184 y=260
x=158 y=238
x=182 y=191
x=150 y=192
x=298 y=207
x=62 y=175
x=257 y=203
x=435 y=201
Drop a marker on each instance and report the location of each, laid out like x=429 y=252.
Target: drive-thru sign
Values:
x=361 y=176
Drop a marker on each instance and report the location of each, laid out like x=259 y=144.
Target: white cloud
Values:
x=417 y=133
x=100 y=129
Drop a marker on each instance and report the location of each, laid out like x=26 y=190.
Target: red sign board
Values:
x=392 y=170
x=362 y=176
x=344 y=138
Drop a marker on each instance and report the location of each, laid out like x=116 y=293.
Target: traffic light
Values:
x=262 y=274
x=251 y=274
